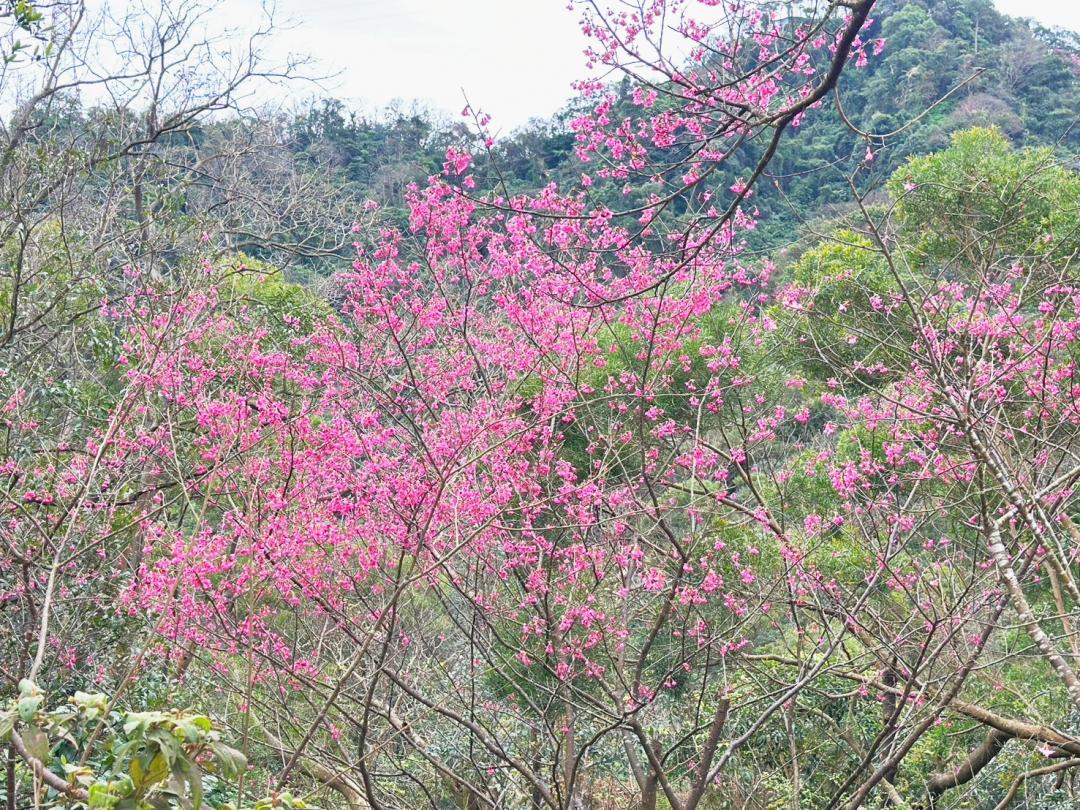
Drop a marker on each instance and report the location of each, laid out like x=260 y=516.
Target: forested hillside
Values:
x=947 y=66
x=713 y=445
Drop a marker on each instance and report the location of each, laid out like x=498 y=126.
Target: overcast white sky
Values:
x=514 y=58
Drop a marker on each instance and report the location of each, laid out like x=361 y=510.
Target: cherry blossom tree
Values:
x=568 y=502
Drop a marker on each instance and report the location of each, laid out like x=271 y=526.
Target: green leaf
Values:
x=146 y=776
x=193 y=729
x=185 y=778
x=91 y=704
x=167 y=745
x=7 y=723
x=102 y=797
x=194 y=780
x=122 y=751
x=36 y=742
x=138 y=774
x=158 y=770
x=28 y=707
x=27 y=688
x=123 y=785
x=141 y=721
x=231 y=762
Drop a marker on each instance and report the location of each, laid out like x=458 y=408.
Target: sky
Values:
x=514 y=59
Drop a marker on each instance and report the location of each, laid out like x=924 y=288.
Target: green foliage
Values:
x=285 y=307
x=21 y=18
x=1025 y=83
x=985 y=201
x=1022 y=80
x=125 y=760
x=850 y=283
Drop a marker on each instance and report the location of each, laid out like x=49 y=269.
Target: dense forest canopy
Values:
x=949 y=66
x=712 y=444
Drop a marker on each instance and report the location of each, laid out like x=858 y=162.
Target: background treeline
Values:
x=1002 y=71
x=949 y=66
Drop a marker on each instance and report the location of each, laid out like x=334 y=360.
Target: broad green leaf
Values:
x=28 y=707
x=27 y=688
x=231 y=762
x=141 y=721
x=7 y=723
x=92 y=705
x=145 y=777
x=123 y=785
x=158 y=770
x=167 y=744
x=194 y=780
x=193 y=729
x=138 y=774
x=102 y=797
x=36 y=742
